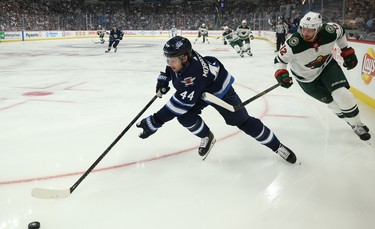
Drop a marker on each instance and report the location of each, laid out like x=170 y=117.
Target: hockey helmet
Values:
x=244 y=22
x=203 y=25
x=226 y=28
x=177 y=46
x=311 y=20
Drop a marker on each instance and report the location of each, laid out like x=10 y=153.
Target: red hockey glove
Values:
x=282 y=76
x=350 y=59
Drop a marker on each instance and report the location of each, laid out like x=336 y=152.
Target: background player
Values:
x=114 y=38
x=233 y=39
x=202 y=32
x=173 y=31
x=101 y=32
x=245 y=35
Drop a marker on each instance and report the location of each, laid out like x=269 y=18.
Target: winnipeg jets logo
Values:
x=188 y=81
x=179 y=44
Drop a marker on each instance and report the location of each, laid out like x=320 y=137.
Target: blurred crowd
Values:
x=35 y=15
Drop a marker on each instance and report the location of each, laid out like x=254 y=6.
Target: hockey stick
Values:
x=97 y=42
x=215 y=100
x=43 y=193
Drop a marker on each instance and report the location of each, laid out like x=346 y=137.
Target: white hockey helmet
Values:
x=311 y=20
x=226 y=28
x=203 y=25
x=244 y=22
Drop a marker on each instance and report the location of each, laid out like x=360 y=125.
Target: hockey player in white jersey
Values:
x=308 y=52
x=202 y=32
x=245 y=35
x=101 y=32
x=173 y=31
x=234 y=40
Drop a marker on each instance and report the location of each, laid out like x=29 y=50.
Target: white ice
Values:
x=62 y=103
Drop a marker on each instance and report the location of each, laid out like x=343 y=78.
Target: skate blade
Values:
x=212 y=145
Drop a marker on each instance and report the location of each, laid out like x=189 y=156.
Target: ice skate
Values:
x=241 y=53
x=286 y=154
x=115 y=50
x=206 y=145
x=249 y=52
x=362 y=131
x=107 y=51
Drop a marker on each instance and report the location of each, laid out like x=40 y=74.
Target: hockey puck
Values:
x=34 y=225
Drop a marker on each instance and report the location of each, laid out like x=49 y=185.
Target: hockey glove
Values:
x=350 y=59
x=162 y=86
x=149 y=125
x=225 y=42
x=282 y=76
x=251 y=37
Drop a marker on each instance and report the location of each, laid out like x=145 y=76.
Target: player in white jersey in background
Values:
x=173 y=31
x=245 y=35
x=101 y=32
x=234 y=40
x=202 y=32
x=308 y=52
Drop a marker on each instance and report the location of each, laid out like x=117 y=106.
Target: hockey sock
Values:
x=195 y=125
x=345 y=100
x=256 y=129
x=335 y=109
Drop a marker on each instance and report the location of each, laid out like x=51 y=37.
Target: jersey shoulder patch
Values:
x=329 y=33
x=294 y=40
x=330 y=28
x=297 y=44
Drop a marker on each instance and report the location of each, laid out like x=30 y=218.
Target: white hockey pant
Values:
x=237 y=48
x=246 y=47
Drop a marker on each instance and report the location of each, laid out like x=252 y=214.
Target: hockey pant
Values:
x=113 y=43
x=250 y=125
x=245 y=47
x=246 y=44
x=237 y=45
x=203 y=35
